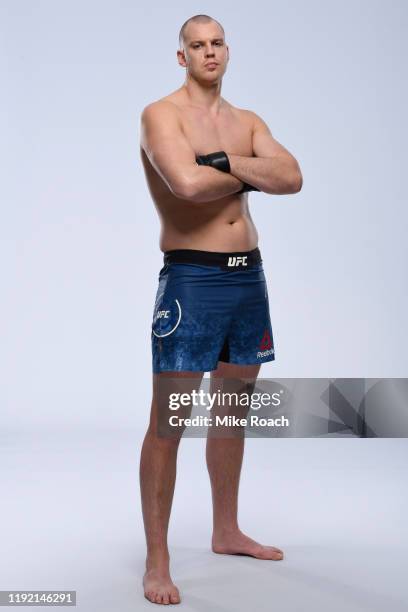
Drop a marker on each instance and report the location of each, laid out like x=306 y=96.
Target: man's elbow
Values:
x=184 y=189
x=293 y=180
x=296 y=183
x=286 y=186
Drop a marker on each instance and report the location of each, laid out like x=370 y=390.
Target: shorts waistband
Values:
x=240 y=260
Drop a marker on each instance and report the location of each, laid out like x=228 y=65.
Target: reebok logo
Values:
x=264 y=353
x=266 y=341
x=237 y=261
x=265 y=346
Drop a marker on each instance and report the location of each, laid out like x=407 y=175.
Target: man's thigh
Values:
x=235 y=371
x=190 y=321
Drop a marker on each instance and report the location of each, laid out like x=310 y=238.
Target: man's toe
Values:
x=149 y=595
x=174 y=597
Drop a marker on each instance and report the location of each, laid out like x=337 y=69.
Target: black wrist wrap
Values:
x=218 y=160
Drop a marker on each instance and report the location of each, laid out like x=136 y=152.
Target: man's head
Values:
x=202 y=40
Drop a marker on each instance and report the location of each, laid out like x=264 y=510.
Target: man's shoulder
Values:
x=244 y=114
x=158 y=118
x=250 y=114
x=167 y=105
x=158 y=108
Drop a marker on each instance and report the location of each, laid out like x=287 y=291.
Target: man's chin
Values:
x=211 y=77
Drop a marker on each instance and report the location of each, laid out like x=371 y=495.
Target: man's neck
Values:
x=206 y=97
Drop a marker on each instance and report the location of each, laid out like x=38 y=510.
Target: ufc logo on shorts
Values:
x=237 y=261
x=163 y=314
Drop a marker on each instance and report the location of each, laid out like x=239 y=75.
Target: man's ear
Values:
x=181 y=58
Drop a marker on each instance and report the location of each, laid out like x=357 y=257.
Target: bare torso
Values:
x=221 y=225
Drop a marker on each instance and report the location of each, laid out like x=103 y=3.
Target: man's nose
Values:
x=209 y=51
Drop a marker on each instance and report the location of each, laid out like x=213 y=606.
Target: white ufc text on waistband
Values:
x=237 y=261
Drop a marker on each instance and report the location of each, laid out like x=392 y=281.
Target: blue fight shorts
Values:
x=210 y=307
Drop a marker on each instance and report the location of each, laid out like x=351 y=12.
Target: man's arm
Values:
x=174 y=160
x=273 y=169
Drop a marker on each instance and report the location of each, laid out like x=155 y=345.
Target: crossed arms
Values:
x=272 y=170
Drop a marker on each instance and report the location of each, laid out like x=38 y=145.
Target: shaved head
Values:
x=196 y=19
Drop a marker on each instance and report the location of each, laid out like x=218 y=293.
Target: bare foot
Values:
x=159 y=588
x=237 y=543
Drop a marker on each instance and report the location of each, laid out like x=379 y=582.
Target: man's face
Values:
x=205 y=52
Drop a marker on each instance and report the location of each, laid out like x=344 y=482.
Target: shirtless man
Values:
x=201 y=156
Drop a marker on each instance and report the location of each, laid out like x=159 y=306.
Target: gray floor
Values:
x=70 y=519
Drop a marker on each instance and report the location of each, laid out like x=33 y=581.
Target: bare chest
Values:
x=229 y=131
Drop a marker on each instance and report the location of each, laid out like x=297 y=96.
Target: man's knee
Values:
x=161 y=426
x=171 y=392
